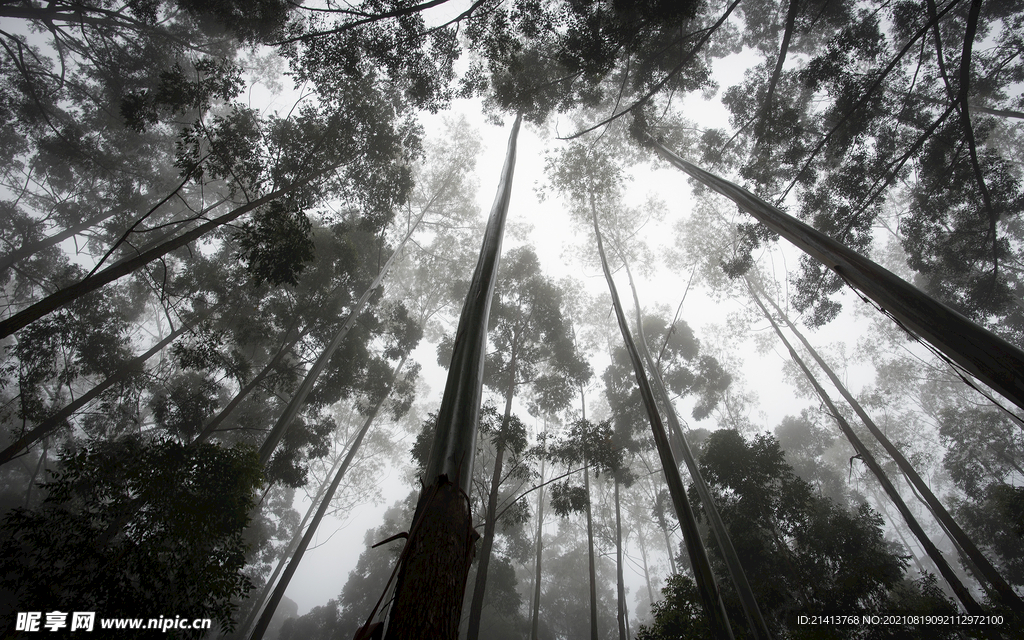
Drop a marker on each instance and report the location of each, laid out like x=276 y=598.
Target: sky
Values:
x=340 y=540
x=333 y=554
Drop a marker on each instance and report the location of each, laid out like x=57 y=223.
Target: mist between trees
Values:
x=738 y=341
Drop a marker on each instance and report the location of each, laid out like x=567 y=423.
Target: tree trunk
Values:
x=663 y=524
x=476 y=607
x=535 y=608
x=28 y=250
x=707 y=586
x=55 y=421
x=293 y=564
x=985 y=355
x=865 y=455
x=647 y=570
x=590 y=553
x=619 y=579
x=960 y=539
x=752 y=611
x=126 y=266
x=211 y=426
x=299 y=399
x=245 y=628
x=435 y=562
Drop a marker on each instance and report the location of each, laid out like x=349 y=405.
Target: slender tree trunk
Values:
x=707 y=586
x=247 y=626
x=590 y=553
x=286 y=419
x=663 y=525
x=435 y=563
x=54 y=422
x=212 y=425
x=535 y=605
x=763 y=117
x=866 y=456
x=31 y=249
x=752 y=611
x=960 y=539
x=619 y=578
x=126 y=266
x=479 y=589
x=647 y=569
x=985 y=355
x=293 y=564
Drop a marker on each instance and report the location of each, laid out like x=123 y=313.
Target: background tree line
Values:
x=210 y=306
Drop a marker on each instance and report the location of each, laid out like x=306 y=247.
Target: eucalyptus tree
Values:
x=533 y=348
x=300 y=546
x=803 y=551
x=963 y=594
x=440 y=542
x=589 y=445
x=986 y=572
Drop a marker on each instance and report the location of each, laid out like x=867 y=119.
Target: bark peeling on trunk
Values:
x=435 y=566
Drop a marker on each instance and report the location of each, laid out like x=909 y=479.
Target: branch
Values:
x=671 y=74
x=867 y=94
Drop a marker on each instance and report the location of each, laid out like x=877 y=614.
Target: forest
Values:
x=512 y=319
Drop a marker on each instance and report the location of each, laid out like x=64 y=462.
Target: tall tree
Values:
x=961 y=591
x=439 y=547
x=803 y=552
x=960 y=539
x=533 y=349
x=589 y=445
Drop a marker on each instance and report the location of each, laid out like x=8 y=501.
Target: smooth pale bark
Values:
x=435 y=563
x=476 y=607
x=985 y=355
x=287 y=417
x=293 y=563
x=866 y=456
x=751 y=610
x=54 y=422
x=707 y=586
x=535 y=605
x=961 y=540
